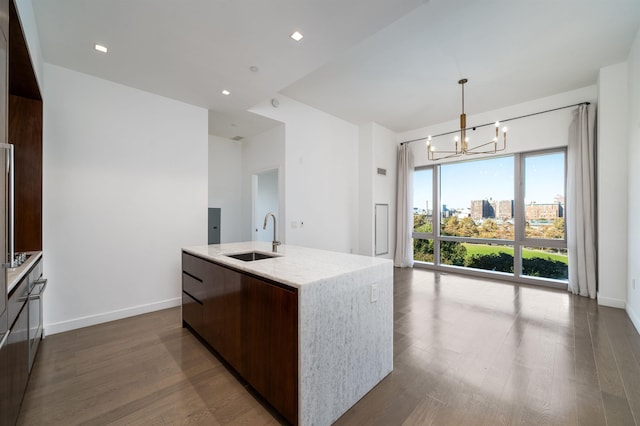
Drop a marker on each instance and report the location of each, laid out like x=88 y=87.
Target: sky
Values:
x=492 y=178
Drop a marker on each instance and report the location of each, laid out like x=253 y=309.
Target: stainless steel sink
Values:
x=250 y=256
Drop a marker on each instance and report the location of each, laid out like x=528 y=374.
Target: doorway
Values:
x=265 y=199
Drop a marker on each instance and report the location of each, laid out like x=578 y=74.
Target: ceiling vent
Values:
x=237 y=138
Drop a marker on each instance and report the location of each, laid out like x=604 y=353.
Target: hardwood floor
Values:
x=466 y=352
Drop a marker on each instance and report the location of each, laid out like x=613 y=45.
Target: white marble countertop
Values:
x=294 y=266
x=14 y=275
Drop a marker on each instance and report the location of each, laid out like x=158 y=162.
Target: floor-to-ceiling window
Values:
x=503 y=214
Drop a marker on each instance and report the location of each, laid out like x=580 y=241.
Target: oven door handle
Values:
x=41 y=282
x=4 y=338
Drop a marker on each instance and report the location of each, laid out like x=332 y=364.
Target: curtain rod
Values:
x=493 y=123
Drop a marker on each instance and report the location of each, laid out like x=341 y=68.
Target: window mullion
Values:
x=437 y=213
x=519 y=218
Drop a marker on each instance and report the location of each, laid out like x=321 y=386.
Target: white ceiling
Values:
x=395 y=62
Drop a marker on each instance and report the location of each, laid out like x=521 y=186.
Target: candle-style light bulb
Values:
x=504 y=129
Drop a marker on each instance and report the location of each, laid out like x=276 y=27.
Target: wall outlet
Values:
x=374 y=293
x=294 y=224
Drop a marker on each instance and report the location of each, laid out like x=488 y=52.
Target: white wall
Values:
x=261 y=153
x=613 y=119
x=124 y=188
x=385 y=154
x=633 y=232
x=365 y=190
x=526 y=134
x=321 y=167
x=377 y=149
x=225 y=186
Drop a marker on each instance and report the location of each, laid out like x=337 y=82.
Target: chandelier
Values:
x=461 y=141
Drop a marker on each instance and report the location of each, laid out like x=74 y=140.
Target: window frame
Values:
x=519 y=241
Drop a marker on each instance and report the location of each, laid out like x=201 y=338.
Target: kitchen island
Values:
x=344 y=314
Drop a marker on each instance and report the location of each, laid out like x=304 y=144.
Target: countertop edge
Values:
x=285 y=264
x=22 y=270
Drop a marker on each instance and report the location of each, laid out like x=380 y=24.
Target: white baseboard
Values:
x=633 y=316
x=611 y=302
x=62 y=326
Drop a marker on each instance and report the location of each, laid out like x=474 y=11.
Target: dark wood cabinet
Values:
x=194 y=286
x=223 y=311
x=20 y=125
x=192 y=313
x=25 y=132
x=21 y=345
x=5 y=370
x=250 y=322
x=25 y=124
x=193 y=294
x=272 y=333
x=18 y=358
x=5 y=373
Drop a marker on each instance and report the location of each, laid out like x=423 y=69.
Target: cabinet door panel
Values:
x=192 y=313
x=223 y=313
x=18 y=358
x=193 y=266
x=193 y=287
x=271 y=344
x=25 y=131
x=5 y=374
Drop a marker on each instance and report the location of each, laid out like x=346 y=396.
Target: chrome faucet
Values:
x=274 y=243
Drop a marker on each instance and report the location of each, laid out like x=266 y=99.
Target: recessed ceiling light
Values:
x=226 y=92
x=100 y=48
x=297 y=36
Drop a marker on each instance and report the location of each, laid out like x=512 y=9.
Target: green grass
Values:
x=485 y=249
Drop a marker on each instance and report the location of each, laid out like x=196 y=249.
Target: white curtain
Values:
x=404 y=205
x=581 y=203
